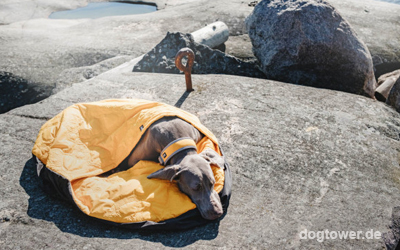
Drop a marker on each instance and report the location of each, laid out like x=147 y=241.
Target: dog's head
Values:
x=196 y=179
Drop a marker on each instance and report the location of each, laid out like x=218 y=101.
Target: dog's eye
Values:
x=197 y=187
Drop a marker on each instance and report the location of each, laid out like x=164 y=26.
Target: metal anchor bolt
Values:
x=186 y=69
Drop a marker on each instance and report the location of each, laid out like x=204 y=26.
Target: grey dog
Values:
x=190 y=170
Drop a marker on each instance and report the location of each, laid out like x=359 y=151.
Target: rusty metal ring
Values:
x=178 y=60
x=187 y=69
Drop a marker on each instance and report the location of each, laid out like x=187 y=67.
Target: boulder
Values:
x=385 y=84
x=376 y=23
x=394 y=96
x=308 y=42
x=161 y=59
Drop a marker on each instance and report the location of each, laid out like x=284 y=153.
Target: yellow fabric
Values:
x=88 y=139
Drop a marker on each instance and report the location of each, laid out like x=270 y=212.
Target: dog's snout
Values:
x=213 y=215
x=212 y=209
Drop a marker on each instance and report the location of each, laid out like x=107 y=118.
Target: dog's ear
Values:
x=213 y=158
x=168 y=173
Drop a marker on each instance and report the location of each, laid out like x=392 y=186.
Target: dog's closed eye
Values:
x=197 y=187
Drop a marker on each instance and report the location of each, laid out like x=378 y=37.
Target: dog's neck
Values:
x=176 y=159
x=176 y=146
x=158 y=136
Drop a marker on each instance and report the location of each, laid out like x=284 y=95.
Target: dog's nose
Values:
x=215 y=214
x=219 y=213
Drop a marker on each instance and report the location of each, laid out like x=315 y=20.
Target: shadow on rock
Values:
x=19 y=92
x=182 y=99
x=69 y=219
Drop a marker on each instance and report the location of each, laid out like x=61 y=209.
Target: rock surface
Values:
x=53 y=52
x=73 y=75
x=50 y=52
x=39 y=50
x=394 y=96
x=301 y=158
x=307 y=42
x=161 y=59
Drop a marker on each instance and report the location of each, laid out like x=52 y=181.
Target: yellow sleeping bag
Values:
x=89 y=139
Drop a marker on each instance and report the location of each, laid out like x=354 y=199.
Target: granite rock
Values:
x=301 y=158
x=161 y=59
x=308 y=42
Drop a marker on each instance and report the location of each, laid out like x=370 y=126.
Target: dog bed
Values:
x=88 y=139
